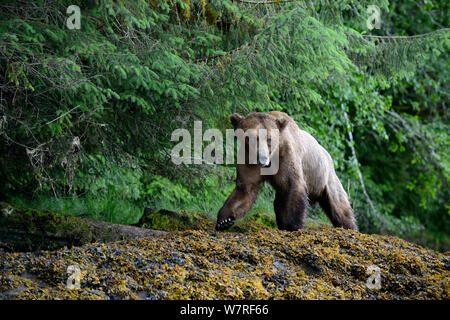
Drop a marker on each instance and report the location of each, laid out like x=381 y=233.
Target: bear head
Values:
x=260 y=132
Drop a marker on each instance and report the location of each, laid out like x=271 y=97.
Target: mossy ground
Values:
x=320 y=263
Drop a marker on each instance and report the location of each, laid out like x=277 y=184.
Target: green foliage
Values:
x=102 y=177
x=106 y=208
x=162 y=189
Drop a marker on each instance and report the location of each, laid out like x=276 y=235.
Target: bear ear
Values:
x=282 y=122
x=235 y=119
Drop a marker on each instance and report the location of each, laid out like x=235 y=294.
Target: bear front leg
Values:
x=237 y=205
x=290 y=208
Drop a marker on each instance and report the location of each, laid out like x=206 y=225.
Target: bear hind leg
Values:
x=340 y=213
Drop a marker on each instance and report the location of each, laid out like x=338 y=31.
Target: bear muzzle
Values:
x=263 y=161
x=224 y=224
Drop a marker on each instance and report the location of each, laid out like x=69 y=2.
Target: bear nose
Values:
x=263 y=161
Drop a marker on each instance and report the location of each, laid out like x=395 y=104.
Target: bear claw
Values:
x=224 y=224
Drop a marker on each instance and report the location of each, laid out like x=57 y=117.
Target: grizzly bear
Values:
x=305 y=175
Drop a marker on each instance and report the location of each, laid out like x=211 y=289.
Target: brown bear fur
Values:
x=306 y=174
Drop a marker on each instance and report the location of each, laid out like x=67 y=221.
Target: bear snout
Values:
x=263 y=161
x=224 y=224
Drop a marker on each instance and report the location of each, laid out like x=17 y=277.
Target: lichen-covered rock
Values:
x=321 y=263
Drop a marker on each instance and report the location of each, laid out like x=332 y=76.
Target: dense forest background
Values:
x=86 y=115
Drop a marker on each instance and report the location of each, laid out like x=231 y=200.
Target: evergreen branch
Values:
x=221 y=55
